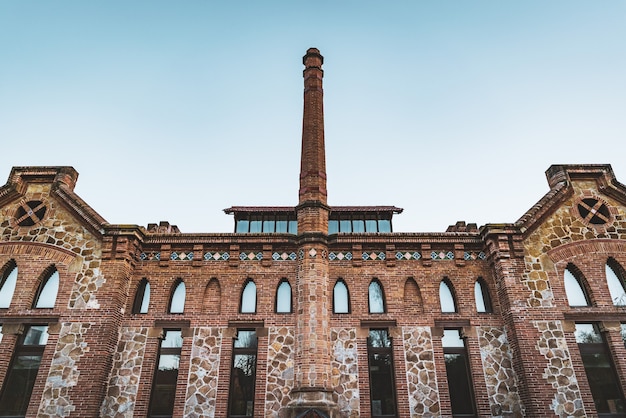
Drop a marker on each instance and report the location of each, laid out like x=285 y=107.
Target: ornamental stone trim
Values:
x=63 y=374
x=559 y=369
x=203 y=373
x=421 y=374
x=121 y=396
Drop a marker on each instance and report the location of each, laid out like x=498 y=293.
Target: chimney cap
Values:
x=313 y=53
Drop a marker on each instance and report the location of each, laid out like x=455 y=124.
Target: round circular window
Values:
x=594 y=211
x=29 y=213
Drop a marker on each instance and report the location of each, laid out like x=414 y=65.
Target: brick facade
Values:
x=522 y=354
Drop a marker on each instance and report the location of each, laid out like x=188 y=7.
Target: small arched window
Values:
x=446 y=298
x=248 y=298
x=283 y=297
x=341 y=298
x=177 y=302
x=142 y=297
x=615 y=281
x=8 y=279
x=376 y=297
x=574 y=289
x=481 y=295
x=47 y=293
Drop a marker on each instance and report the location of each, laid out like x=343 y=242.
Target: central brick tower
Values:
x=312 y=394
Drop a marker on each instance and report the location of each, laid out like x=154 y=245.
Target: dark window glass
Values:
x=371 y=225
x=458 y=373
x=600 y=371
x=576 y=295
x=341 y=300
x=166 y=375
x=358 y=225
x=384 y=225
x=333 y=226
x=243 y=375
x=481 y=295
x=376 y=298
x=7 y=285
x=47 y=293
x=380 y=362
x=142 y=297
x=242 y=226
x=18 y=385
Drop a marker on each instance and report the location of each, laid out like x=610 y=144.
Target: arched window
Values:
x=376 y=297
x=576 y=295
x=248 y=298
x=212 y=297
x=47 y=293
x=177 y=303
x=283 y=297
x=446 y=298
x=8 y=279
x=615 y=281
x=481 y=295
x=341 y=298
x=142 y=297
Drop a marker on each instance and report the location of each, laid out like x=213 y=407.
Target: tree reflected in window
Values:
x=376 y=297
x=243 y=375
x=163 y=395
x=381 y=376
x=615 y=283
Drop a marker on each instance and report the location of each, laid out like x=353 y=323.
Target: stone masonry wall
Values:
x=124 y=380
x=500 y=378
x=63 y=374
x=280 y=363
x=344 y=371
x=420 y=372
x=203 y=373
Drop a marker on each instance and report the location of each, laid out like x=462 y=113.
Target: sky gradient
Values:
x=452 y=110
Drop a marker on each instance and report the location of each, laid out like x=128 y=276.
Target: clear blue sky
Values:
x=175 y=110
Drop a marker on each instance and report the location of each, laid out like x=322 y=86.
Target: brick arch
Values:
x=591 y=246
x=48 y=252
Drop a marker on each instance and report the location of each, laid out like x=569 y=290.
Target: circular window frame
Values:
x=30 y=213
x=593 y=212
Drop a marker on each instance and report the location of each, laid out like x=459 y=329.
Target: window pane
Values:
x=173 y=339
x=246 y=339
x=48 y=295
x=333 y=227
x=340 y=298
x=445 y=298
x=248 y=298
x=377 y=304
x=483 y=304
x=574 y=291
x=384 y=225
x=178 y=299
x=243 y=375
x=269 y=226
x=166 y=375
x=283 y=298
x=293 y=227
x=380 y=362
x=587 y=333
x=8 y=288
x=461 y=398
x=255 y=225
x=18 y=385
x=345 y=225
x=616 y=287
x=242 y=226
x=145 y=302
x=281 y=226
x=36 y=335
x=142 y=298
x=371 y=225
x=358 y=225
x=452 y=338
x=623 y=329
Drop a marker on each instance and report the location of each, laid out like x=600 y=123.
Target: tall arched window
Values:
x=615 y=281
x=574 y=289
x=341 y=298
x=248 y=298
x=481 y=295
x=142 y=297
x=177 y=303
x=47 y=293
x=283 y=297
x=446 y=298
x=8 y=279
x=376 y=297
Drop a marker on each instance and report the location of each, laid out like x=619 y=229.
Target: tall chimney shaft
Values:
x=313 y=159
